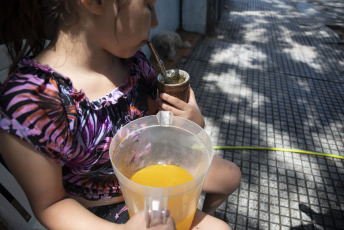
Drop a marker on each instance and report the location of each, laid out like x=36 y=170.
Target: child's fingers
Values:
x=168 y=107
x=177 y=103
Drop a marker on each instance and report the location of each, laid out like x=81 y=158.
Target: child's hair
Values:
x=27 y=24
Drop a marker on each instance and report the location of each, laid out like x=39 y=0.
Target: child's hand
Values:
x=138 y=222
x=180 y=108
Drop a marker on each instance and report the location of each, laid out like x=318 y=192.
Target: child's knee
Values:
x=204 y=221
x=235 y=170
x=232 y=176
x=223 y=177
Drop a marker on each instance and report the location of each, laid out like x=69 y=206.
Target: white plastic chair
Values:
x=15 y=211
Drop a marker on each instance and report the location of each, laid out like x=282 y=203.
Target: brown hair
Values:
x=26 y=25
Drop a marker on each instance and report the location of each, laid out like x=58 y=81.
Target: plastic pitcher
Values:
x=162 y=139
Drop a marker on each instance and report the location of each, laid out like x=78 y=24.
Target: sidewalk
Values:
x=274 y=77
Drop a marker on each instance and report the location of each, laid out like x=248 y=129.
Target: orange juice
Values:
x=163 y=175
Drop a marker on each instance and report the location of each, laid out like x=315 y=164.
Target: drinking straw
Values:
x=159 y=61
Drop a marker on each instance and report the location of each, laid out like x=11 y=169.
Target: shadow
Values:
x=273 y=78
x=319 y=219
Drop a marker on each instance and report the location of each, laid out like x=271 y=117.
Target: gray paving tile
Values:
x=273 y=77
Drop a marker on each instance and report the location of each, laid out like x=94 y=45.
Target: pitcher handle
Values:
x=165 y=118
x=155 y=206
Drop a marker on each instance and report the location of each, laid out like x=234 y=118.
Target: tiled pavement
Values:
x=274 y=77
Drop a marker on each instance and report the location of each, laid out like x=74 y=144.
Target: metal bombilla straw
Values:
x=159 y=61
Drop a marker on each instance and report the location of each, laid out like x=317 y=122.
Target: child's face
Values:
x=123 y=33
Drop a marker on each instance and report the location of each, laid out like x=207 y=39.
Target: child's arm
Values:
x=178 y=107
x=41 y=180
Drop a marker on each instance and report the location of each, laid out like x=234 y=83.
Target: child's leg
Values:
x=222 y=180
x=203 y=221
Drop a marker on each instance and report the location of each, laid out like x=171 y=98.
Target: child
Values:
x=61 y=106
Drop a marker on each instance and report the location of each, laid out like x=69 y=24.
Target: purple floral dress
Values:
x=43 y=108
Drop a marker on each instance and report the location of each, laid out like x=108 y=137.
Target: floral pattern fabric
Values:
x=42 y=107
x=116 y=213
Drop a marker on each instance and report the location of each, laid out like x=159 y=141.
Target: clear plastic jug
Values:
x=155 y=140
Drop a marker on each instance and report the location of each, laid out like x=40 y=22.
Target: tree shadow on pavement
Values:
x=273 y=78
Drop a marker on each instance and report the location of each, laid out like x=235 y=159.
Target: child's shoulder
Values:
x=30 y=83
x=27 y=71
x=30 y=75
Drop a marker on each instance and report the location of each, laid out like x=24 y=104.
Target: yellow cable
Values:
x=278 y=149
